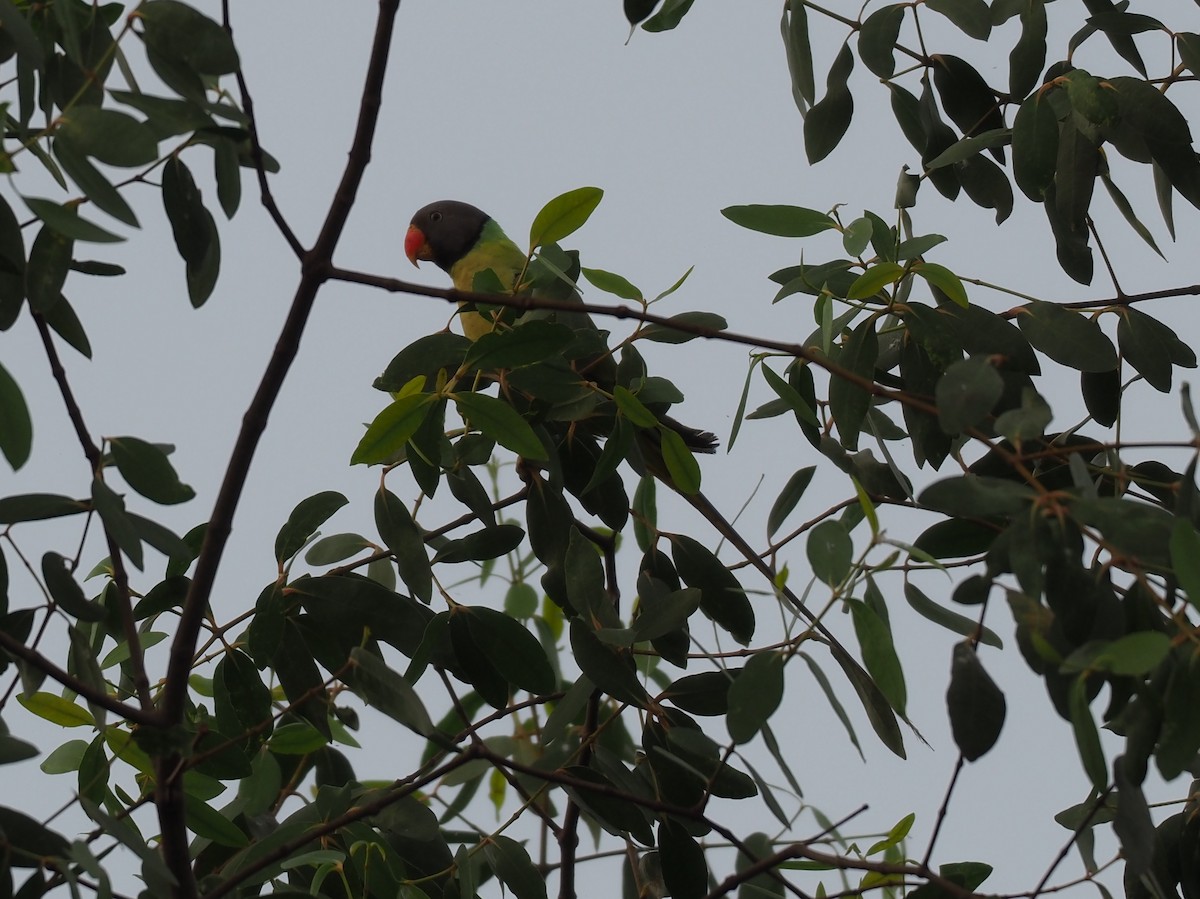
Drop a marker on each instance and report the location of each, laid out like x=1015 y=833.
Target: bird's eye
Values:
x=435 y=216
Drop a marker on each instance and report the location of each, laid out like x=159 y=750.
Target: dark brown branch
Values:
x=141 y=682
x=401 y=789
x=34 y=658
x=315 y=268
x=256 y=154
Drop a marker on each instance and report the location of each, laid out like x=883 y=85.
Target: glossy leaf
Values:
x=848 y=401
x=177 y=31
x=972 y=17
x=782 y=221
x=610 y=669
x=402 y=536
x=788 y=498
x=148 y=471
x=1067 y=337
x=308 y=515
x=1087 y=738
x=65 y=219
x=798 y=48
x=564 y=215
x=38 y=507
x=877 y=39
x=709 y=321
x=511 y=649
x=830 y=551
x=499 y=421
x=879 y=653
x=387 y=436
x=754 y=695
x=948 y=618
x=511 y=863
x=722 y=598
x=112 y=137
x=528 y=342
x=829 y=118
x=387 y=691
x=46 y=272
x=481 y=545
x=967 y=393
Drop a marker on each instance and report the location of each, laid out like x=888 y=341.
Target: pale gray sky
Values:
x=505 y=105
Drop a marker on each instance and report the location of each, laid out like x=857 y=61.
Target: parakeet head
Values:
x=443 y=232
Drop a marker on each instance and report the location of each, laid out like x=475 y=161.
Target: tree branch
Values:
x=315 y=268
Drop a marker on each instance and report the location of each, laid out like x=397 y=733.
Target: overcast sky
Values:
x=506 y=105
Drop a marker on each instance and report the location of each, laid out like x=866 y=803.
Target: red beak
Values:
x=415 y=247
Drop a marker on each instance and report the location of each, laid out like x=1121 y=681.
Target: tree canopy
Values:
x=612 y=680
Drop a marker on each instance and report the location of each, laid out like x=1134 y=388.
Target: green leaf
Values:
x=46 y=273
x=788 y=498
x=755 y=695
x=148 y=471
x=830 y=551
x=511 y=649
x=966 y=394
x=856 y=236
x=828 y=119
x=563 y=216
x=180 y=33
x=16 y=428
x=874 y=280
x=633 y=408
x=684 y=866
x=65 y=590
x=205 y=821
x=609 y=668
x=192 y=225
x=1145 y=344
x=66 y=221
x=1027 y=60
x=879 y=653
x=56 y=710
x=669 y=16
x=479 y=546
x=794 y=28
x=972 y=17
x=943 y=279
x=27 y=839
x=611 y=283
x=387 y=436
x=1035 y=146
x=682 y=466
x=1067 y=337
x=1185 y=559
x=403 y=537
x=308 y=515
x=848 y=402
x=976 y=705
x=525 y=344
x=114 y=138
x=38 y=507
x=501 y=422
x=666 y=334
x=782 y=221
x=967 y=148
x=801 y=407
x=385 y=690
x=877 y=39
x=1087 y=738
x=512 y=865
x=722 y=598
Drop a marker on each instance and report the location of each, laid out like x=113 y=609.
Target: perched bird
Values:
x=465 y=242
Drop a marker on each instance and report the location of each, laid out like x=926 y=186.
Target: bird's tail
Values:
x=696 y=440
